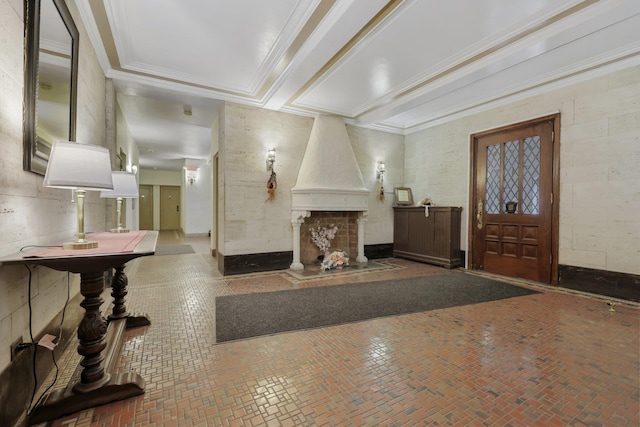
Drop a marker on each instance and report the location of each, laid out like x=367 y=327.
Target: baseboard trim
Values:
x=608 y=283
x=269 y=261
x=254 y=263
x=196 y=235
x=381 y=250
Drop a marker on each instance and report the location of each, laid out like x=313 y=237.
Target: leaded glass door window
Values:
x=513 y=177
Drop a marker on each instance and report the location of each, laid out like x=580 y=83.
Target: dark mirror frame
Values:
x=31 y=161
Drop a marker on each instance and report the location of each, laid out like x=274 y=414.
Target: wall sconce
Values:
x=125 y=186
x=80 y=167
x=380 y=170
x=191 y=174
x=271 y=158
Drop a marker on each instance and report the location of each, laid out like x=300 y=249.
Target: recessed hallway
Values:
x=555 y=358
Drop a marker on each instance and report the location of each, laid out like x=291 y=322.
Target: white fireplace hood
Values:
x=329 y=177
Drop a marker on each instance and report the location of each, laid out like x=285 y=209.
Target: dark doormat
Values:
x=174 y=250
x=264 y=313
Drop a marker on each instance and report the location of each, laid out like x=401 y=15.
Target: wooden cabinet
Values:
x=434 y=239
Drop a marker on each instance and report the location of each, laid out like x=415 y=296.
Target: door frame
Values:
x=150 y=187
x=555 y=200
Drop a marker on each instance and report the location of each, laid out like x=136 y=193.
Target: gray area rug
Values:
x=174 y=250
x=265 y=313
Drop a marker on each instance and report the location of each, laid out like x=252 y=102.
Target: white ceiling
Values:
x=399 y=65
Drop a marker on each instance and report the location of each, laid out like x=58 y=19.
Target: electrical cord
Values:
x=53 y=355
x=39 y=246
x=35 y=350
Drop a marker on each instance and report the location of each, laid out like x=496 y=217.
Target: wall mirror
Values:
x=50 y=81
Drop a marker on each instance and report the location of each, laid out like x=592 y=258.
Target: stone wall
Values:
x=32 y=214
x=599 y=174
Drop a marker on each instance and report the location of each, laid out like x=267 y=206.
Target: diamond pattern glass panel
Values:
x=511 y=171
x=531 y=176
x=492 y=192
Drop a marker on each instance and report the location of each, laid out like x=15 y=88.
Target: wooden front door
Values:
x=513 y=194
x=169 y=208
x=146 y=207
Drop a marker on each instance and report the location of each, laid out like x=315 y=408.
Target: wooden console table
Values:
x=96 y=334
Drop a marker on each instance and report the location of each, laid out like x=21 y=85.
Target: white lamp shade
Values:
x=124 y=186
x=75 y=165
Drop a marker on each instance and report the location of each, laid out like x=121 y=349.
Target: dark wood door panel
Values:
x=514 y=165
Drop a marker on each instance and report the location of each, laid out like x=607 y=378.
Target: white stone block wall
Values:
x=29 y=213
x=251 y=223
x=599 y=166
x=221 y=207
x=370 y=147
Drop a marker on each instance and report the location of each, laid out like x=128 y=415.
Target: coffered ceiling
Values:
x=394 y=65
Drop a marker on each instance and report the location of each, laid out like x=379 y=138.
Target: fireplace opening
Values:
x=346 y=238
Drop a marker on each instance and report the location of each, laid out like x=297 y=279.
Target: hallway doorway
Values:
x=169 y=207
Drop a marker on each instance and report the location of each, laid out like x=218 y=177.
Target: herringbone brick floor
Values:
x=556 y=358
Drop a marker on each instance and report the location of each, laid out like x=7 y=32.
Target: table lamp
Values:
x=124 y=186
x=80 y=167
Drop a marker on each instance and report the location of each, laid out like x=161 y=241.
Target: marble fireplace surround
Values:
x=329 y=180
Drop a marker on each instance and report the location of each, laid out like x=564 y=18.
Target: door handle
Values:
x=479 y=215
x=178 y=208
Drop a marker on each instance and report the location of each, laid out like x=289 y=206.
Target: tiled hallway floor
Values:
x=555 y=358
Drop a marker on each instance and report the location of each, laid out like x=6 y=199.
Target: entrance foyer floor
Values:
x=556 y=358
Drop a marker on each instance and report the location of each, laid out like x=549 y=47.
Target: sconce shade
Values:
x=380 y=170
x=124 y=185
x=271 y=158
x=75 y=165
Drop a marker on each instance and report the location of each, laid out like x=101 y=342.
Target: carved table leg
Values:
x=119 y=291
x=96 y=386
x=91 y=334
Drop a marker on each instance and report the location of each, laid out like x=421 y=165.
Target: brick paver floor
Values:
x=555 y=358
